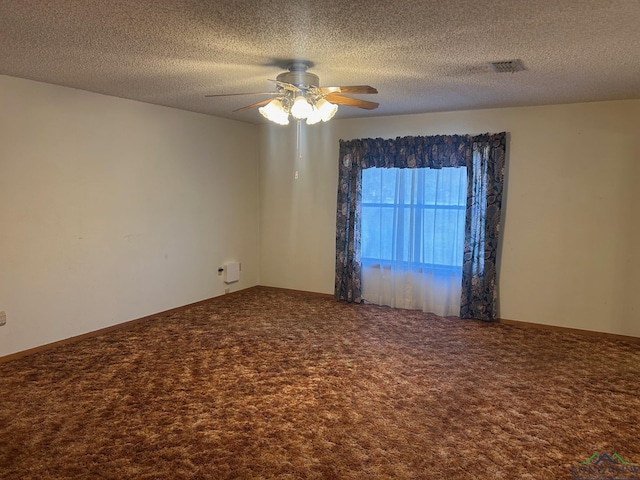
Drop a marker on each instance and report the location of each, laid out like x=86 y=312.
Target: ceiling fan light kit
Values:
x=299 y=95
x=301 y=108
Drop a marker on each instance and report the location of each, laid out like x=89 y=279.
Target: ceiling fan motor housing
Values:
x=298 y=76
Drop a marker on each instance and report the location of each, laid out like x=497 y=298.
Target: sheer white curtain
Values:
x=412 y=225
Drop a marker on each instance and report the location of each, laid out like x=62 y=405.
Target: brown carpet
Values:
x=282 y=385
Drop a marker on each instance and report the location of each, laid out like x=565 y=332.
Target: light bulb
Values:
x=327 y=109
x=301 y=108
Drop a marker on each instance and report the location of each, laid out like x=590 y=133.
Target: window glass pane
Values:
x=404 y=241
x=417 y=215
x=428 y=229
x=430 y=177
x=445 y=241
x=406 y=190
x=460 y=236
x=371 y=184
x=445 y=194
x=386 y=233
x=462 y=187
x=370 y=247
x=388 y=188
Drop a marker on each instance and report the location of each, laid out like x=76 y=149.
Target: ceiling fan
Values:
x=299 y=94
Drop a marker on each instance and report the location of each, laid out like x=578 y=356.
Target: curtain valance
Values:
x=436 y=151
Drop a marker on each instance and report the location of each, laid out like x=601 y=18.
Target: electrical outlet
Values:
x=3 y=318
x=226 y=290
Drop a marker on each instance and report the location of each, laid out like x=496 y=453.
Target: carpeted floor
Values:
x=274 y=384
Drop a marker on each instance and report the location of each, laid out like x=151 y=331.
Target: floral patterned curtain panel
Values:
x=484 y=157
x=485 y=173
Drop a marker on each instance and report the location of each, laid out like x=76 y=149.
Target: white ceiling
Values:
x=421 y=55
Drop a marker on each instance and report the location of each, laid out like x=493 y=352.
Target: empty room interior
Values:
x=331 y=240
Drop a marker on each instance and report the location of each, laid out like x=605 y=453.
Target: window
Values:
x=393 y=280
x=413 y=217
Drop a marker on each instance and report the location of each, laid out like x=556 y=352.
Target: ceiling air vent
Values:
x=508 y=66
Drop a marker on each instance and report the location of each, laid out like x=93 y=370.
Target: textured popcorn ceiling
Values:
x=421 y=55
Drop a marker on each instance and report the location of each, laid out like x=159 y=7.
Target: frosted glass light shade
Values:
x=301 y=108
x=274 y=112
x=314 y=117
x=327 y=109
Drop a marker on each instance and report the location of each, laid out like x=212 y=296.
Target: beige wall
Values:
x=571 y=220
x=111 y=210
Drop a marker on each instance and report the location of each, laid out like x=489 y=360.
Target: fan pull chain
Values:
x=298 y=149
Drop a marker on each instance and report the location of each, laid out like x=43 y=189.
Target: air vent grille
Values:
x=507 y=66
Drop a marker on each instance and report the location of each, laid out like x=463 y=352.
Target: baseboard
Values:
x=112 y=328
x=590 y=333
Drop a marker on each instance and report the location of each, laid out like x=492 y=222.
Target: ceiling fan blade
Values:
x=248 y=93
x=254 y=105
x=351 y=102
x=351 y=89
